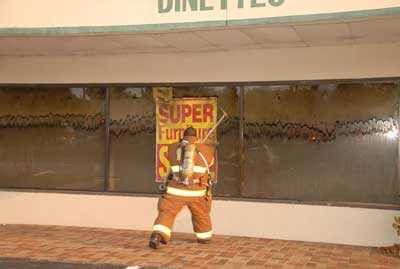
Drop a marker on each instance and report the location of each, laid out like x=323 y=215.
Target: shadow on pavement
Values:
x=12 y=263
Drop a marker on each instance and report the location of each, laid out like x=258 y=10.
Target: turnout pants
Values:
x=171 y=203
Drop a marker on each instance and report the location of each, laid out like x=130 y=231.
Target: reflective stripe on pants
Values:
x=163 y=229
x=204 y=236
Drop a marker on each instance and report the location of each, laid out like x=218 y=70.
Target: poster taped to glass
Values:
x=173 y=116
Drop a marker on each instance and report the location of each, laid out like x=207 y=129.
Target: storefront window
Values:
x=52 y=138
x=335 y=142
x=312 y=143
x=132 y=162
x=228 y=135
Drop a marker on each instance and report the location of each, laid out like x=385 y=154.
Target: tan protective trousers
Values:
x=170 y=205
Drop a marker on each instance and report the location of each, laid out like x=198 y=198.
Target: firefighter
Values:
x=188 y=184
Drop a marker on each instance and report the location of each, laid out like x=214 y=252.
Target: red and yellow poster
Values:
x=173 y=116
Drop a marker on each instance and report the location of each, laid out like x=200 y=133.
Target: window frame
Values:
x=240 y=86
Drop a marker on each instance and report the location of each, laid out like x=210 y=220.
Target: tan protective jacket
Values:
x=202 y=167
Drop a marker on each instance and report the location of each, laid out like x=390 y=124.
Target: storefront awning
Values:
x=382 y=29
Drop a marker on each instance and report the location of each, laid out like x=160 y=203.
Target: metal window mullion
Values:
x=107 y=143
x=398 y=138
x=241 y=142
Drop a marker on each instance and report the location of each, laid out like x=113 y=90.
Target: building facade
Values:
x=310 y=150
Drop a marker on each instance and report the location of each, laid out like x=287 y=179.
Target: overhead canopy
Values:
x=244 y=40
x=332 y=33
x=47 y=27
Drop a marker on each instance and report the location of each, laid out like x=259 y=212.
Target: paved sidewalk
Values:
x=121 y=248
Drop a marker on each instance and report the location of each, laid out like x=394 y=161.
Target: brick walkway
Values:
x=128 y=248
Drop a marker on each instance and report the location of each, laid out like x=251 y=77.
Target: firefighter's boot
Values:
x=204 y=241
x=155 y=240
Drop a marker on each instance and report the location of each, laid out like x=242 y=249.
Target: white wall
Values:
x=355 y=226
x=310 y=63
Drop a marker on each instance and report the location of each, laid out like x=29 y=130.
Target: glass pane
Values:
x=133 y=138
x=132 y=164
x=52 y=138
x=228 y=135
x=335 y=142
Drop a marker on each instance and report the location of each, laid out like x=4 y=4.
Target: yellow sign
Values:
x=163 y=93
x=173 y=117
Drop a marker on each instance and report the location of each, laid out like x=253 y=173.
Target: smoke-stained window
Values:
x=132 y=162
x=311 y=143
x=228 y=135
x=335 y=142
x=52 y=138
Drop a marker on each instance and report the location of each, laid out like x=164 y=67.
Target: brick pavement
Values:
x=128 y=247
